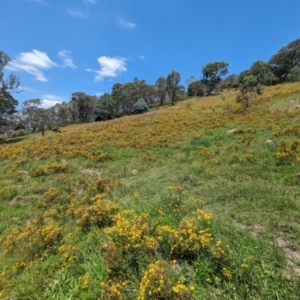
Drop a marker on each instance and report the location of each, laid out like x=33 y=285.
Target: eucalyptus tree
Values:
x=105 y=107
x=173 y=87
x=145 y=91
x=249 y=88
x=263 y=72
x=294 y=74
x=34 y=116
x=125 y=95
x=8 y=85
x=82 y=107
x=161 y=87
x=196 y=89
x=285 y=60
x=212 y=75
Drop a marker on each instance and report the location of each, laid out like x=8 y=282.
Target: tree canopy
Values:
x=83 y=106
x=105 y=107
x=212 y=75
x=263 y=72
x=195 y=89
x=249 y=88
x=285 y=59
x=173 y=86
x=140 y=106
x=7 y=85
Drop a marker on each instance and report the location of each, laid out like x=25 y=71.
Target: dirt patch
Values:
x=255 y=229
x=91 y=172
x=17 y=200
x=293 y=255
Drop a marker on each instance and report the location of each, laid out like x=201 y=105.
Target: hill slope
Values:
x=182 y=202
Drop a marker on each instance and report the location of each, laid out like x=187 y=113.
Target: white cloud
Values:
x=110 y=67
x=99 y=94
x=51 y=100
x=65 y=56
x=142 y=57
x=48 y=103
x=33 y=62
x=90 y=1
x=88 y=70
x=78 y=13
x=125 y=24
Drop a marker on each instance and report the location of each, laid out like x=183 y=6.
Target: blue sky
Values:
x=59 y=47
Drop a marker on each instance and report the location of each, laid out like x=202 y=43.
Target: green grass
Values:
x=252 y=196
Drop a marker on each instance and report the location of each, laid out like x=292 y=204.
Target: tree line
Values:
x=138 y=96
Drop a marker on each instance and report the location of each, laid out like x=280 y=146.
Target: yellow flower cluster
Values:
x=85 y=280
x=248 y=157
x=287 y=155
x=8 y=192
x=131 y=233
x=92 y=211
x=32 y=239
x=68 y=252
x=113 y=290
x=95 y=156
x=192 y=238
x=51 y=194
x=55 y=167
x=157 y=283
x=226 y=273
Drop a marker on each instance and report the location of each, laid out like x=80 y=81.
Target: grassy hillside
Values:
x=184 y=202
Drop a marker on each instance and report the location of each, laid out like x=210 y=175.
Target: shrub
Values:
x=179 y=98
x=140 y=106
x=19 y=132
x=20 y=126
x=2 y=138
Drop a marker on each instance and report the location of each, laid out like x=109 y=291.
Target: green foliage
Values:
x=105 y=107
x=2 y=138
x=35 y=116
x=20 y=126
x=195 y=89
x=145 y=91
x=140 y=106
x=229 y=82
x=8 y=85
x=263 y=72
x=125 y=95
x=180 y=97
x=19 y=132
x=212 y=75
x=173 y=87
x=82 y=107
x=249 y=88
x=161 y=86
x=294 y=74
x=285 y=60
x=183 y=211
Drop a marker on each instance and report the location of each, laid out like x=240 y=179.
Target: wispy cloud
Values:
x=51 y=100
x=65 y=55
x=90 y=1
x=110 y=67
x=77 y=13
x=34 y=63
x=142 y=57
x=125 y=24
